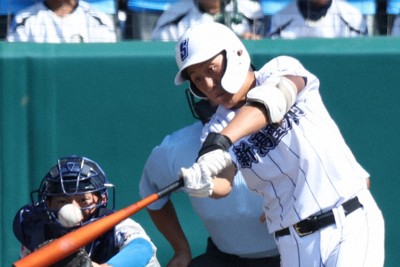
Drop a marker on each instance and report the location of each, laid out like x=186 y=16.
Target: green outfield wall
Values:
x=115 y=102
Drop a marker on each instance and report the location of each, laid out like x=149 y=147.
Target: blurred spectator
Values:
x=318 y=18
x=382 y=18
x=61 y=21
x=396 y=26
x=245 y=17
x=8 y=9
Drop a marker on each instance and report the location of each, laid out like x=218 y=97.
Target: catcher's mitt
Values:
x=78 y=259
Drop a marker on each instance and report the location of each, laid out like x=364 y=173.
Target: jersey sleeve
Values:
x=177 y=150
x=135 y=246
x=281 y=66
x=156 y=175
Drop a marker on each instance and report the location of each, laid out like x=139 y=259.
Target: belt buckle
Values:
x=297 y=227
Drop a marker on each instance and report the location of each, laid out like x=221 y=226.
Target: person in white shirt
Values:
x=245 y=17
x=318 y=18
x=396 y=26
x=61 y=21
x=237 y=237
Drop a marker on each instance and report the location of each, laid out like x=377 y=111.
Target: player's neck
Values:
x=61 y=7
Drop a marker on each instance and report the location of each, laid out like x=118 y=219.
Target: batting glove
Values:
x=197 y=181
x=215 y=161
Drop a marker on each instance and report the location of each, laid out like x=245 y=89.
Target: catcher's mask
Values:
x=74 y=175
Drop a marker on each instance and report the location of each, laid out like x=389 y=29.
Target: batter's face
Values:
x=207 y=75
x=86 y=202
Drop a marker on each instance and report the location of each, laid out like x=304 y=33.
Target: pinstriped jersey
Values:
x=302 y=167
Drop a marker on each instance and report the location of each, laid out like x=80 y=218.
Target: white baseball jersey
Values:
x=184 y=14
x=341 y=20
x=129 y=230
x=396 y=26
x=232 y=222
x=302 y=168
x=39 y=24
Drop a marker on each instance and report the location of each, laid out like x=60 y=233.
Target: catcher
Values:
x=81 y=182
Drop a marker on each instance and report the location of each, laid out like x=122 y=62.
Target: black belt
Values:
x=315 y=223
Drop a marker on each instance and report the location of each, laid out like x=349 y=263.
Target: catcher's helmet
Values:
x=206 y=40
x=74 y=175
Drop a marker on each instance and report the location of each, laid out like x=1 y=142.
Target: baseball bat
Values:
x=73 y=241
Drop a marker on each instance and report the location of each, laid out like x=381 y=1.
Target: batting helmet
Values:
x=206 y=40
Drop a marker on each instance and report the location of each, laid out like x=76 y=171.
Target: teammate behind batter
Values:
x=236 y=235
x=272 y=125
x=81 y=182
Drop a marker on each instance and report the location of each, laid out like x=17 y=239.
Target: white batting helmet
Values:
x=206 y=40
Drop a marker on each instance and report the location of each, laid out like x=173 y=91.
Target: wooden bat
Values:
x=73 y=241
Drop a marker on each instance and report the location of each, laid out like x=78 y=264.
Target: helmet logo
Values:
x=184 y=49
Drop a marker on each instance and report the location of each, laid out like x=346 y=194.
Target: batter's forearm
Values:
x=250 y=119
x=263 y=107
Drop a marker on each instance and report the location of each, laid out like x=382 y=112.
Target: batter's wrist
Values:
x=215 y=141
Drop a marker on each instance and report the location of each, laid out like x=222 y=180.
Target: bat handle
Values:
x=170 y=188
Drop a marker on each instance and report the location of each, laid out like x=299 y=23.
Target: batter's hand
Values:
x=215 y=161
x=197 y=181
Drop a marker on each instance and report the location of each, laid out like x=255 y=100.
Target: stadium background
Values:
x=115 y=102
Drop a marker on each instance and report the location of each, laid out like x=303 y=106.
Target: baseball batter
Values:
x=273 y=126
